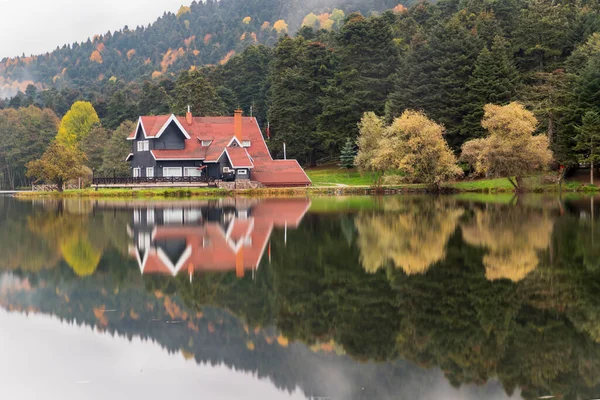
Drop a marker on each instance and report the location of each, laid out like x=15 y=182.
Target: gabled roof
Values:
x=154 y=126
x=239 y=157
x=280 y=173
x=221 y=132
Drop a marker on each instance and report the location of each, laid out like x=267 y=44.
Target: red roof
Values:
x=239 y=157
x=221 y=132
x=212 y=247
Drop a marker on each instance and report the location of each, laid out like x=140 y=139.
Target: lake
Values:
x=409 y=297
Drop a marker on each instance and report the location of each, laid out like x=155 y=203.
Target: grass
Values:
x=326 y=181
x=483 y=185
x=328 y=176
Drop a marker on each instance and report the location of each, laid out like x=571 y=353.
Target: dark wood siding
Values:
x=171 y=139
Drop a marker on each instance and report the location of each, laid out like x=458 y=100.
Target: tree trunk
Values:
x=592 y=172
x=60 y=186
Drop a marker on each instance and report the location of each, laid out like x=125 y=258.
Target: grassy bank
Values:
x=328 y=182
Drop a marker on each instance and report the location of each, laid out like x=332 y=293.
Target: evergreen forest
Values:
x=310 y=70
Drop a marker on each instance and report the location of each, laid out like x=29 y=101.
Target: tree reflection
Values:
x=513 y=237
x=411 y=233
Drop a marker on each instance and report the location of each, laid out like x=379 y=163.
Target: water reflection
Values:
x=397 y=297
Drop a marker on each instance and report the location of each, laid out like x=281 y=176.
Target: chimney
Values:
x=188 y=116
x=237 y=122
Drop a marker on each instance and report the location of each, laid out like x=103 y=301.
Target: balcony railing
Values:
x=143 y=180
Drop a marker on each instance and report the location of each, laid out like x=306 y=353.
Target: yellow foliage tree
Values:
x=310 y=20
x=372 y=130
x=510 y=150
x=79 y=254
x=183 y=10
x=266 y=25
x=513 y=237
x=415 y=145
x=281 y=26
x=247 y=20
x=77 y=124
x=411 y=235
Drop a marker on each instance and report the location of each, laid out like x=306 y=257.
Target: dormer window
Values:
x=246 y=143
x=206 y=143
x=143 y=145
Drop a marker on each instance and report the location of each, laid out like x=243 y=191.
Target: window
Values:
x=192 y=171
x=144 y=240
x=172 y=171
x=242 y=172
x=137 y=216
x=137 y=172
x=173 y=216
x=150 y=172
x=143 y=145
x=150 y=216
x=226 y=170
x=246 y=143
x=206 y=143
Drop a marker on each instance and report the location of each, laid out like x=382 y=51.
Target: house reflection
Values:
x=171 y=239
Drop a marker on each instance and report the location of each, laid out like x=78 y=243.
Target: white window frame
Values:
x=137 y=172
x=150 y=216
x=149 y=172
x=165 y=169
x=173 y=216
x=242 y=172
x=186 y=173
x=143 y=145
x=144 y=241
x=206 y=143
x=226 y=170
x=246 y=143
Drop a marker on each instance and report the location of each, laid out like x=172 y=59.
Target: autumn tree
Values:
x=588 y=141
x=59 y=164
x=371 y=131
x=510 y=150
x=77 y=123
x=415 y=145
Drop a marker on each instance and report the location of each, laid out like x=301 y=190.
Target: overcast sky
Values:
x=37 y=26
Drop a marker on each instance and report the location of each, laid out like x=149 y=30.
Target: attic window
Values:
x=246 y=143
x=206 y=143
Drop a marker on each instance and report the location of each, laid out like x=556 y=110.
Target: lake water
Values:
x=467 y=297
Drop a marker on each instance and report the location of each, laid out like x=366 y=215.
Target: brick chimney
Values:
x=188 y=116
x=237 y=122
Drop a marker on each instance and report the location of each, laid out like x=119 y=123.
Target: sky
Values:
x=38 y=26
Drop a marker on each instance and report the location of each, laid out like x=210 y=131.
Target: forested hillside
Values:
x=203 y=33
x=313 y=76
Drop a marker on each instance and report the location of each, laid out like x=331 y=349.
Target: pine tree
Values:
x=368 y=56
x=194 y=90
x=494 y=80
x=588 y=141
x=347 y=155
x=299 y=72
x=434 y=76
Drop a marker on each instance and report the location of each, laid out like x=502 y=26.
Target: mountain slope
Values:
x=203 y=33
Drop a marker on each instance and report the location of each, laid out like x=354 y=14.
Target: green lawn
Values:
x=483 y=185
x=332 y=176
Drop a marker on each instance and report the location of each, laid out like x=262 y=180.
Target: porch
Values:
x=156 y=182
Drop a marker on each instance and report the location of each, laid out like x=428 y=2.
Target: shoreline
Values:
x=288 y=192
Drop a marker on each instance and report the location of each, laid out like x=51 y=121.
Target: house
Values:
x=214 y=148
x=174 y=240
